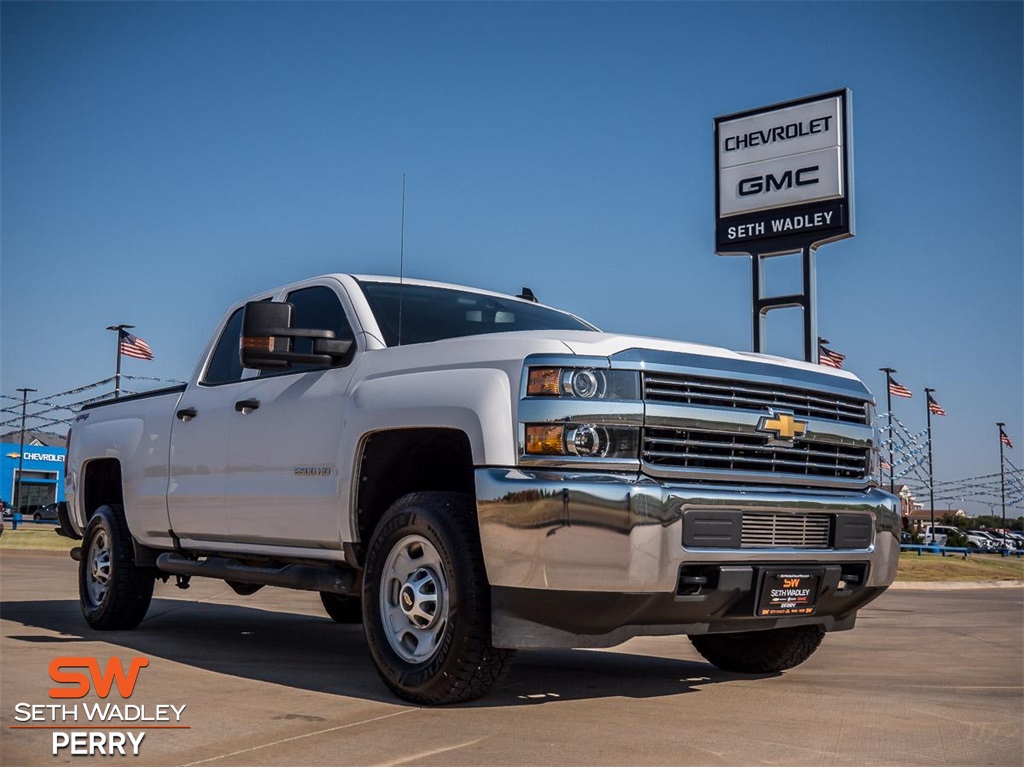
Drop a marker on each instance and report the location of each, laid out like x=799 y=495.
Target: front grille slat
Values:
x=748 y=395
x=754 y=402
x=773 y=459
x=804 y=448
x=692 y=449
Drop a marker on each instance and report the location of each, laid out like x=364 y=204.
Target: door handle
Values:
x=186 y=414
x=246 y=406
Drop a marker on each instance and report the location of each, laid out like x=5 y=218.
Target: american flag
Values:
x=829 y=357
x=886 y=465
x=133 y=346
x=1004 y=439
x=934 y=407
x=898 y=389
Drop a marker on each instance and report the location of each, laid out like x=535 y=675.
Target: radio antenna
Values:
x=401 y=264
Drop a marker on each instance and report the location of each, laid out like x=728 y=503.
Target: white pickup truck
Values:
x=467 y=473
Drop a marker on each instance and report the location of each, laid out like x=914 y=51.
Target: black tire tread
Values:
x=480 y=665
x=759 y=652
x=131 y=588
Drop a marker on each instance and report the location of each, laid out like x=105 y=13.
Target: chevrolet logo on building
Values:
x=783 y=427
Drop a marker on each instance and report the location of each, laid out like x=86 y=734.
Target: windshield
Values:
x=432 y=314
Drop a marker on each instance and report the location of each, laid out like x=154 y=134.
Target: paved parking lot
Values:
x=927 y=677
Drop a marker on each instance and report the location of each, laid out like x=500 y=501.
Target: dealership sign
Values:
x=783 y=176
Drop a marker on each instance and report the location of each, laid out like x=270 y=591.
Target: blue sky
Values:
x=160 y=161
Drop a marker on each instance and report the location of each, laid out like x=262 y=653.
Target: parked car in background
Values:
x=995 y=539
x=1014 y=540
x=940 y=535
x=6 y=508
x=1017 y=539
x=980 y=542
x=47 y=513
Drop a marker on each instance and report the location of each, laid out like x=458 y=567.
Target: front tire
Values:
x=760 y=652
x=114 y=593
x=426 y=602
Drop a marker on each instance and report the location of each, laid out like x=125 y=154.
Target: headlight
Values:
x=582 y=440
x=583 y=383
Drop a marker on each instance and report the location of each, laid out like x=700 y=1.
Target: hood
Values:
x=612 y=344
x=634 y=352
x=654 y=354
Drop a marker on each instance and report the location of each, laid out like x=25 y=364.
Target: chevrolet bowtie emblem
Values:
x=782 y=426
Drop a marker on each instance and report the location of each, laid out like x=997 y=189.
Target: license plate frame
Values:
x=788 y=592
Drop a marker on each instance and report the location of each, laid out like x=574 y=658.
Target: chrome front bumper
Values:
x=614 y=543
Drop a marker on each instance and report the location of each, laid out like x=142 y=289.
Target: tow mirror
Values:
x=266 y=339
x=265 y=327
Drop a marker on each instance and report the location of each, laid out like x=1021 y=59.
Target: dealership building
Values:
x=42 y=468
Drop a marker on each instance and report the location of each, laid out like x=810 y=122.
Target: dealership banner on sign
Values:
x=784 y=176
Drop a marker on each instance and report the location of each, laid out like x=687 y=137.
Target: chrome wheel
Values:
x=99 y=567
x=414 y=599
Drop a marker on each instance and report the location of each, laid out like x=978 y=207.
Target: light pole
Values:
x=119 y=329
x=1002 y=477
x=21 y=449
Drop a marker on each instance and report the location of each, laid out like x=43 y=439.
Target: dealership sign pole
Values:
x=784 y=184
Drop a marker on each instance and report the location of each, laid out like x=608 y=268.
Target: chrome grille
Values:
x=794 y=531
x=718 y=451
x=750 y=395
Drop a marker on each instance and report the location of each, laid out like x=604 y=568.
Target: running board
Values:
x=301 y=577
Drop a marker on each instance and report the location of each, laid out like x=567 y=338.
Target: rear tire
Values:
x=114 y=593
x=342 y=608
x=759 y=652
x=427 y=603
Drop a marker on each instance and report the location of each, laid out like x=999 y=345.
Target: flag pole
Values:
x=119 y=329
x=888 y=403
x=931 y=476
x=1002 y=477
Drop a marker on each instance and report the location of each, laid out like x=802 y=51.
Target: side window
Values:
x=225 y=366
x=319 y=308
